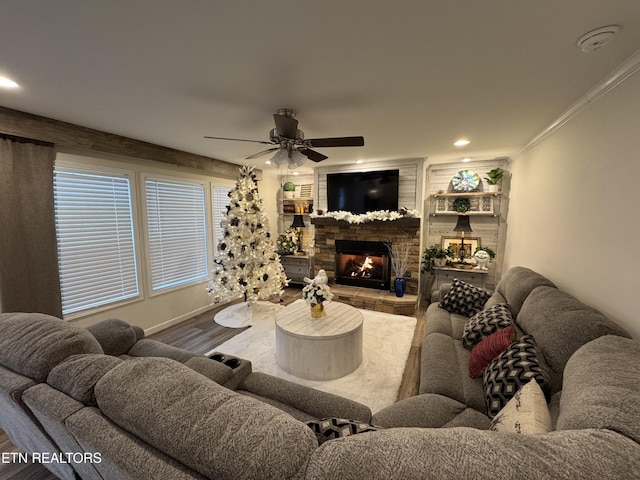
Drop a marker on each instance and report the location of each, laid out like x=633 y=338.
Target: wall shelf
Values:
x=482 y=203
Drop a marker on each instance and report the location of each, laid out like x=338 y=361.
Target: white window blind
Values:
x=177 y=232
x=220 y=203
x=96 y=251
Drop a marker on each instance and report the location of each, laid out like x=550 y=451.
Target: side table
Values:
x=447 y=274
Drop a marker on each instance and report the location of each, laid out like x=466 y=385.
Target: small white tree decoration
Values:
x=248 y=265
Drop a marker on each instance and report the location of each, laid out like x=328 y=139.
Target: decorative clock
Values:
x=465 y=181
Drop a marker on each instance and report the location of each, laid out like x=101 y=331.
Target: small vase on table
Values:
x=317 y=310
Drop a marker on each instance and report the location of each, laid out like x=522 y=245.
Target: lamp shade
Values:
x=463 y=224
x=298 y=222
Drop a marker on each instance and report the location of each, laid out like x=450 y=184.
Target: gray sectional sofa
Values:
x=146 y=411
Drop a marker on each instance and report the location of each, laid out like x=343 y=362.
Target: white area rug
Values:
x=375 y=383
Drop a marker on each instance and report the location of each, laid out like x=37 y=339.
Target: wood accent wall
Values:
x=68 y=135
x=328 y=230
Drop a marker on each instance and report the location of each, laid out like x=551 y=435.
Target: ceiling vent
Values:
x=594 y=40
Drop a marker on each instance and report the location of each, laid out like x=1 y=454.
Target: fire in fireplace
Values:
x=363 y=264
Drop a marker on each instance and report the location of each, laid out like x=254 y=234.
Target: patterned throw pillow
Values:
x=464 y=299
x=486 y=322
x=489 y=348
x=510 y=371
x=526 y=413
x=329 y=428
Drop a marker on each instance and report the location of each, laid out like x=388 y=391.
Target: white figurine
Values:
x=319 y=280
x=482 y=258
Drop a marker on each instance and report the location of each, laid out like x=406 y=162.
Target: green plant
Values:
x=462 y=205
x=494 y=176
x=289 y=187
x=491 y=253
x=434 y=251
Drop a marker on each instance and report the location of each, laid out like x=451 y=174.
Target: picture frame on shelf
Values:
x=470 y=245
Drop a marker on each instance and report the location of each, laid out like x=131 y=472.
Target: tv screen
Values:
x=363 y=192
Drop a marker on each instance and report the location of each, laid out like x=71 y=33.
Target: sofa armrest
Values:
x=216 y=371
x=316 y=403
x=438 y=293
x=152 y=348
x=455 y=453
x=430 y=411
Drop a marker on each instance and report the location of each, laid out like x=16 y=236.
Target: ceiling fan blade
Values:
x=241 y=140
x=312 y=154
x=286 y=126
x=335 y=142
x=264 y=152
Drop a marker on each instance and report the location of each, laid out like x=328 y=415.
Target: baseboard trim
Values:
x=180 y=319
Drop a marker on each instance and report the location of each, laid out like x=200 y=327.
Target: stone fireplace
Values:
x=331 y=235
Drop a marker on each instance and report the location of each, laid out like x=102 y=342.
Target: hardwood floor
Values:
x=201 y=334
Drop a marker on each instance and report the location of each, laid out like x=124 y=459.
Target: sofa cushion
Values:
x=444 y=370
x=209 y=428
x=78 y=375
x=489 y=348
x=464 y=298
x=441 y=321
x=510 y=371
x=561 y=324
x=484 y=323
x=332 y=427
x=516 y=285
x=526 y=413
x=602 y=387
x=33 y=343
x=115 y=336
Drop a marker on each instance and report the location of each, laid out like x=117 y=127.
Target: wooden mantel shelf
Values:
x=407 y=222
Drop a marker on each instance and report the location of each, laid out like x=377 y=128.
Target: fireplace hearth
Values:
x=362 y=264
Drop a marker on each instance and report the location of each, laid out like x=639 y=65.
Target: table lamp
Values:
x=463 y=226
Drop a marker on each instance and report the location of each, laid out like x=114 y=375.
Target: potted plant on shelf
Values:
x=288 y=188
x=483 y=255
x=436 y=256
x=493 y=178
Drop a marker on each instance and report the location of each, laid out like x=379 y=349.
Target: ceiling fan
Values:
x=291 y=147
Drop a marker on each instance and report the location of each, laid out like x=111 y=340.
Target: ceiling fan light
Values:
x=280 y=158
x=296 y=159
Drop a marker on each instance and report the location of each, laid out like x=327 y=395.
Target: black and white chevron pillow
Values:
x=331 y=427
x=484 y=323
x=464 y=299
x=511 y=370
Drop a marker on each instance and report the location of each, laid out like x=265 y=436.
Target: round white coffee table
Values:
x=319 y=348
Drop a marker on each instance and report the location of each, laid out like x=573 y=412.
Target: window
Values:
x=176 y=222
x=96 y=245
x=220 y=201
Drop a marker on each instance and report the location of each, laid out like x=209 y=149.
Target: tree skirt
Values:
x=241 y=315
x=375 y=383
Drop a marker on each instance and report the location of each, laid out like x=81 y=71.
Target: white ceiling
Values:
x=409 y=76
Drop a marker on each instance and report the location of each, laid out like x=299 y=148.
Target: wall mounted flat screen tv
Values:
x=363 y=192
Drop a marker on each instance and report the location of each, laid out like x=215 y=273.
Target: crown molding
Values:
x=625 y=70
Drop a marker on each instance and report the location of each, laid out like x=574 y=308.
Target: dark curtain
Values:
x=29 y=277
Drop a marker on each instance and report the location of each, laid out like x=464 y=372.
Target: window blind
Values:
x=177 y=232
x=96 y=251
x=220 y=203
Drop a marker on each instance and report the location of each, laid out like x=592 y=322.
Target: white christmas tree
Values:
x=248 y=264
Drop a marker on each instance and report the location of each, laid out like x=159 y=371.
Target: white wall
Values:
x=574 y=206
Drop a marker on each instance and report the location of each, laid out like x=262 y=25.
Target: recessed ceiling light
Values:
x=268 y=162
x=359 y=161
x=466 y=160
x=296 y=173
x=462 y=142
x=8 y=83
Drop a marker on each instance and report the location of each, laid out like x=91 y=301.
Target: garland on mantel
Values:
x=379 y=215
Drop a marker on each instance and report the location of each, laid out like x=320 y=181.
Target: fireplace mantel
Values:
x=407 y=222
